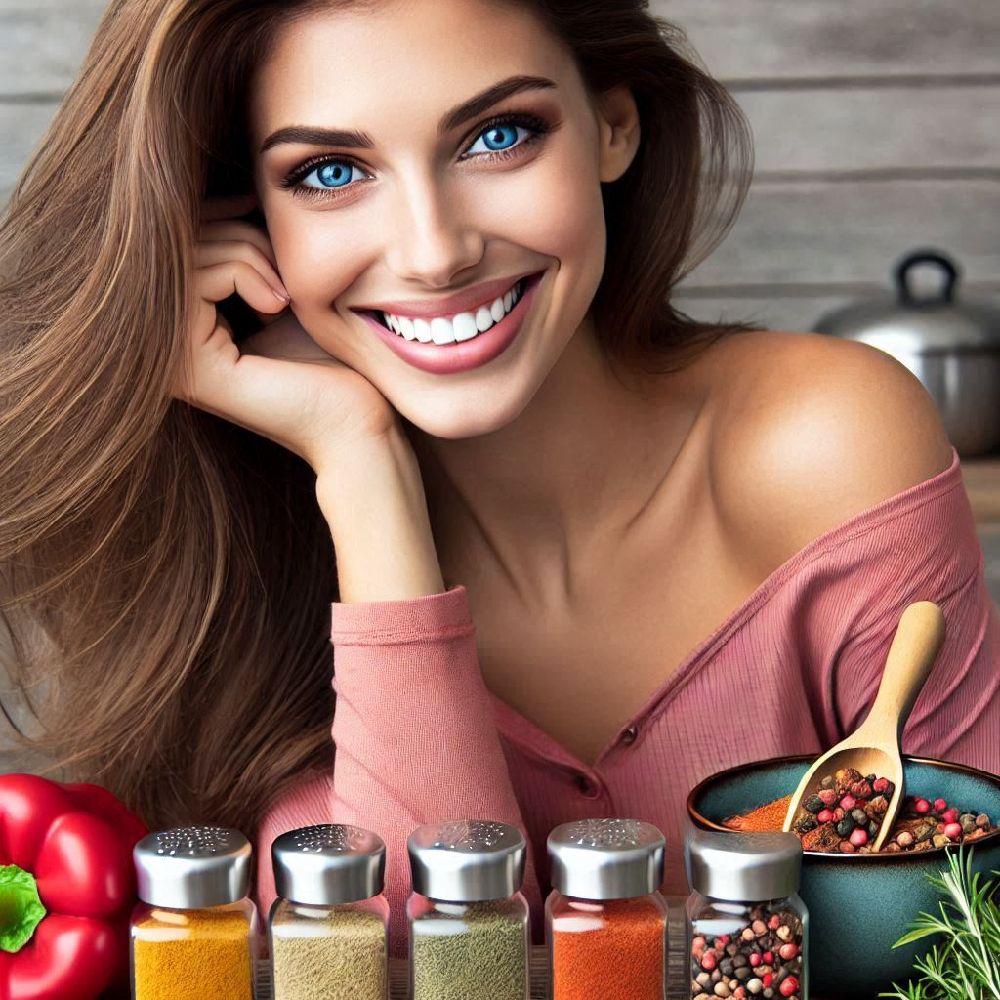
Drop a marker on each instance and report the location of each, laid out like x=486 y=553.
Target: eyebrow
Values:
x=315 y=136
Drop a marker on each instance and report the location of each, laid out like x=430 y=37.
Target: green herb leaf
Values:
x=21 y=910
x=966 y=965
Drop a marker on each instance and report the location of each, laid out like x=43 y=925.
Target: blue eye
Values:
x=497 y=138
x=333 y=174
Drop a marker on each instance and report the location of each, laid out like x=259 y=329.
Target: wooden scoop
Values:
x=873 y=748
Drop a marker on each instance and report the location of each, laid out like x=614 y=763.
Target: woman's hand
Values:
x=284 y=386
x=279 y=382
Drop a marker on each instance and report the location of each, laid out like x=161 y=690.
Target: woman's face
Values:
x=474 y=221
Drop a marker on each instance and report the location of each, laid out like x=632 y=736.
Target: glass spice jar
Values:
x=605 y=920
x=747 y=927
x=194 y=933
x=467 y=918
x=328 y=925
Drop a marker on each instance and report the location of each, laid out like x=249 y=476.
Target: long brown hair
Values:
x=166 y=575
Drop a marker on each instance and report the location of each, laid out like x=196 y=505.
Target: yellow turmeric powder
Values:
x=193 y=954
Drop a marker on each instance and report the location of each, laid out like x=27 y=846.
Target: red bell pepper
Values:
x=67 y=886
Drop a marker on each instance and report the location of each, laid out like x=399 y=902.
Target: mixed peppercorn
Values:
x=846 y=812
x=764 y=958
x=846 y=815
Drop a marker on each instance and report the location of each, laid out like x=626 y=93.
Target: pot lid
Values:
x=907 y=323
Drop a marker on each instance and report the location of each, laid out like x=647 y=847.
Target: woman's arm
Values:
x=413 y=726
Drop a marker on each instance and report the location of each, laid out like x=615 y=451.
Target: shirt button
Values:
x=587 y=787
x=630 y=734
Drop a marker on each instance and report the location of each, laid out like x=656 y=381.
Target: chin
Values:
x=461 y=419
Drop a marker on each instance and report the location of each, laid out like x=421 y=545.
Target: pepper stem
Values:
x=21 y=909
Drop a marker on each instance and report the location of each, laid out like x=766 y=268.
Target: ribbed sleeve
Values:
x=414 y=734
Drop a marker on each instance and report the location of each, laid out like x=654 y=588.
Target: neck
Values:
x=544 y=499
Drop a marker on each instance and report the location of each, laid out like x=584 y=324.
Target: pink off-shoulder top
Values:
x=418 y=736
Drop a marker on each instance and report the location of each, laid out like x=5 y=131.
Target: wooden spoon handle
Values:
x=918 y=638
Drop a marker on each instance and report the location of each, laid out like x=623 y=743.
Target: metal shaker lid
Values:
x=466 y=860
x=606 y=858
x=191 y=867
x=328 y=864
x=743 y=866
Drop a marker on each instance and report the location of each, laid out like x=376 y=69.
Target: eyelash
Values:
x=537 y=129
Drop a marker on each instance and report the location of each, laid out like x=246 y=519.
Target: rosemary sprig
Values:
x=966 y=965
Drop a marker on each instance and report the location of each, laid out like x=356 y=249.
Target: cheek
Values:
x=553 y=207
x=317 y=260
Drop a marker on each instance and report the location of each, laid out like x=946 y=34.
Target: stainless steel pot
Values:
x=952 y=347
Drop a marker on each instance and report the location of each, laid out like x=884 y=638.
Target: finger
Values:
x=215 y=232
x=219 y=281
x=227 y=206
x=218 y=251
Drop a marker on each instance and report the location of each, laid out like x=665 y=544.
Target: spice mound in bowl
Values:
x=845 y=816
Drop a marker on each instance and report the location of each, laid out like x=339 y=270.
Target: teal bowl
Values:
x=859 y=904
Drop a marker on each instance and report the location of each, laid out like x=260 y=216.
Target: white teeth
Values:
x=465 y=326
x=442 y=332
x=457 y=328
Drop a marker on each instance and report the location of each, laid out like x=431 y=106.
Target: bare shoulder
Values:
x=808 y=431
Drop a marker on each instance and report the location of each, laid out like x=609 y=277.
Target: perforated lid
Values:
x=191 y=867
x=328 y=864
x=466 y=860
x=606 y=858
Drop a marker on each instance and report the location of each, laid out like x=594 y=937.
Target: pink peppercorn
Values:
x=848 y=802
x=827 y=796
x=788 y=986
x=824 y=815
x=950 y=815
x=767 y=979
x=768 y=957
x=774 y=923
x=788 y=951
x=709 y=961
x=859 y=838
x=953 y=831
x=940 y=805
x=755 y=959
x=881 y=785
x=922 y=806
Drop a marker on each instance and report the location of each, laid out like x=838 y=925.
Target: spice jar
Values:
x=328 y=925
x=605 y=920
x=194 y=933
x=747 y=926
x=467 y=918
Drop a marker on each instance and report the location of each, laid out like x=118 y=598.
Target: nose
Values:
x=432 y=236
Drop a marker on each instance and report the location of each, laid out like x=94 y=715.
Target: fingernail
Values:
x=282 y=294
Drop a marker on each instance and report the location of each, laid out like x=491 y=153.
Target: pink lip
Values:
x=447 y=359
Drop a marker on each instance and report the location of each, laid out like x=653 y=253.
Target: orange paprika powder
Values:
x=614 y=950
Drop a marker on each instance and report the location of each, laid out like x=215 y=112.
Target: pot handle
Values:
x=911 y=260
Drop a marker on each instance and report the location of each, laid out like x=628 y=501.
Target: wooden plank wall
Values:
x=877 y=130
x=877 y=127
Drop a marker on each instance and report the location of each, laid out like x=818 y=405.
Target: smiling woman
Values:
x=397 y=274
